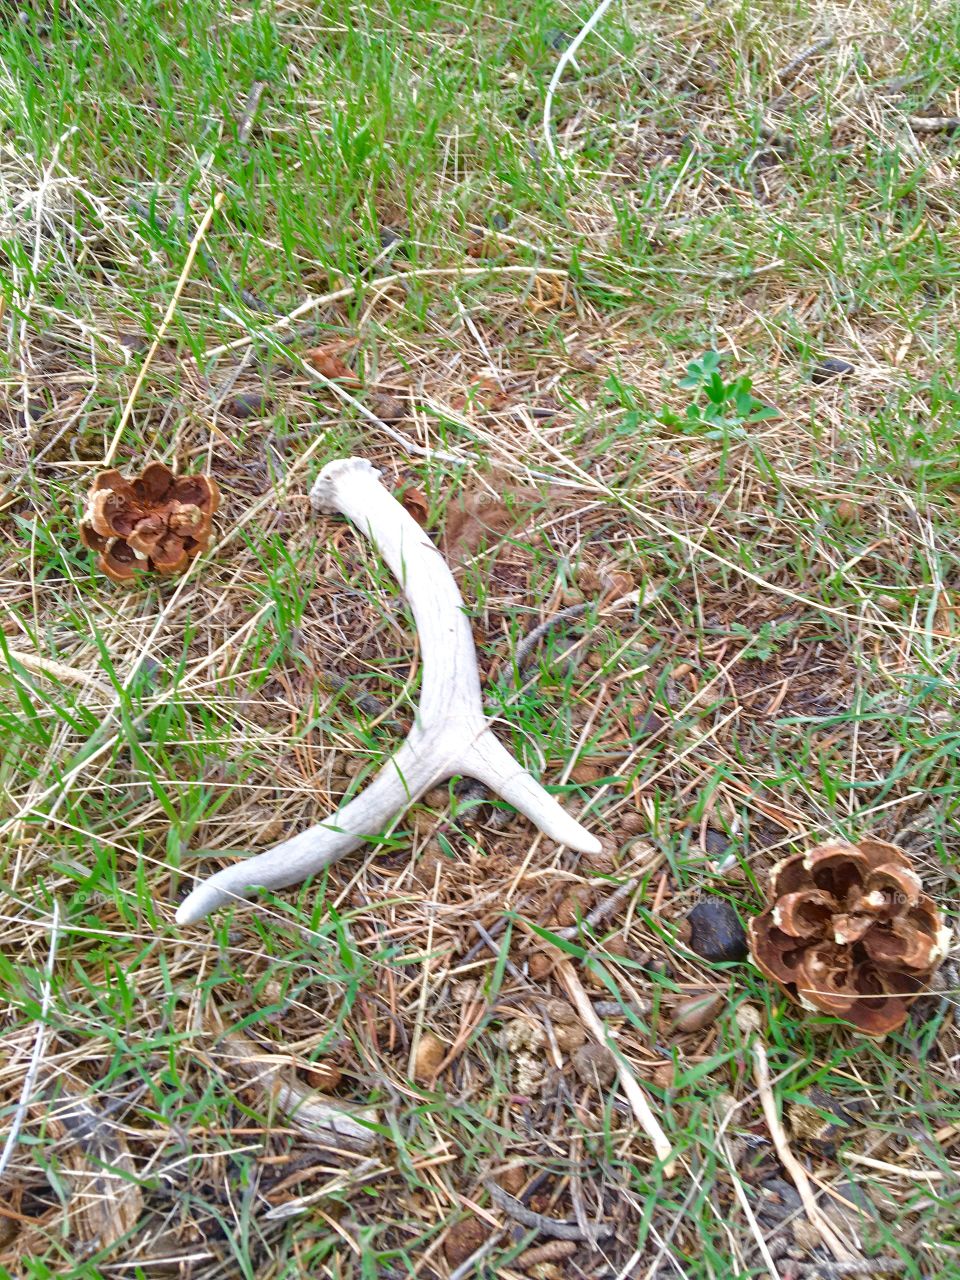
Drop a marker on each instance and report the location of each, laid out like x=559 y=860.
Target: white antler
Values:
x=450 y=735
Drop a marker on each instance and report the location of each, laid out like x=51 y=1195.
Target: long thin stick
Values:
x=39 y=665
x=635 y=1095
x=320 y=1120
x=563 y=62
x=552 y=1227
x=192 y=252
x=382 y=282
x=748 y=1021
x=607 y=907
x=39 y=1045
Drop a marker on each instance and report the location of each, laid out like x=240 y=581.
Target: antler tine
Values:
x=451 y=734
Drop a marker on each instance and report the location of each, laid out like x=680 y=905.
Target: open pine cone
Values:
x=849 y=932
x=155 y=521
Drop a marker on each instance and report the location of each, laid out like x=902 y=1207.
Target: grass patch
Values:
x=778 y=663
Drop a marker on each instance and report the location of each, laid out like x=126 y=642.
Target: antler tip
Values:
x=323 y=495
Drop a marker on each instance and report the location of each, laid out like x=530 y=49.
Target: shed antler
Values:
x=450 y=735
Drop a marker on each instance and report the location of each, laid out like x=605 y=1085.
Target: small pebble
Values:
x=389 y=237
x=831 y=367
x=323 y=1075
x=715 y=931
x=514 y=1178
x=637 y=848
x=606 y=860
x=249 y=405
x=559 y=1010
x=585 y=772
x=570 y=1036
x=36 y=411
x=617 y=946
x=778 y=1200
x=715 y=842
x=595 y=1065
x=697 y=1012
x=647 y=723
x=574 y=907
x=539 y=965
x=387 y=408
x=632 y=822
x=463 y=1239
x=584 y=359
x=850 y=1217
x=135 y=342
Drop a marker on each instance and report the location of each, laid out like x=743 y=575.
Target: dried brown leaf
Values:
x=328 y=361
x=415 y=503
x=479 y=519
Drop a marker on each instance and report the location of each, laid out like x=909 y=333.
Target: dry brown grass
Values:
x=767 y=658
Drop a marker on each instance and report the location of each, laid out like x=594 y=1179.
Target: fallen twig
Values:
x=862 y=1267
x=565 y=971
x=94 y=1163
x=933 y=124
x=39 y=665
x=530 y=641
x=410 y=446
x=602 y=911
x=552 y=1252
x=368 y=703
x=618 y=1009
x=323 y=1121
x=250 y=109
x=787 y=73
x=39 y=1045
x=557 y=1230
x=495 y=950
x=350 y=290
x=165 y=323
x=344 y=1181
x=223 y=278
x=748 y=1021
x=563 y=62
x=468 y=1266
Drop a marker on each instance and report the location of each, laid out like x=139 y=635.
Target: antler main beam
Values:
x=451 y=735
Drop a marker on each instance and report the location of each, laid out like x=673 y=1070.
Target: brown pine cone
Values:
x=849 y=932
x=155 y=521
